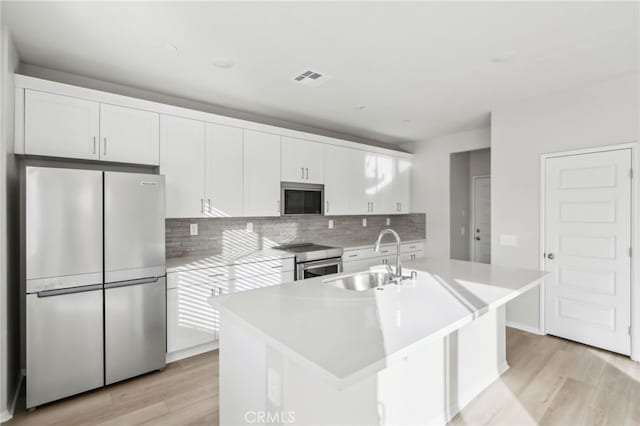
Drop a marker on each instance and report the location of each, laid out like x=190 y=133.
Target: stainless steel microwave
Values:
x=301 y=198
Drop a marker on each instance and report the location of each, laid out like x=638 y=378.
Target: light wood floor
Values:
x=551 y=382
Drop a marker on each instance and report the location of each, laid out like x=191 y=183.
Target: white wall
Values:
x=480 y=162
x=603 y=113
x=9 y=288
x=430 y=187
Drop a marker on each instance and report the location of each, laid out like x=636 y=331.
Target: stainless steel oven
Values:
x=313 y=260
x=301 y=198
x=318 y=268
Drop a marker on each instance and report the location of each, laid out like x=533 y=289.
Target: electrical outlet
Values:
x=364 y=222
x=388 y=221
x=193 y=229
x=330 y=223
x=249 y=226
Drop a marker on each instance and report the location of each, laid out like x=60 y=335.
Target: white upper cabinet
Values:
x=338 y=172
x=261 y=174
x=224 y=177
x=60 y=126
x=385 y=197
x=182 y=161
x=403 y=185
x=363 y=182
x=129 y=135
x=302 y=161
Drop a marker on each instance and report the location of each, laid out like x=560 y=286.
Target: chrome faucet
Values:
x=398 y=272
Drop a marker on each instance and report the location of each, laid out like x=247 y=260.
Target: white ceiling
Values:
x=429 y=63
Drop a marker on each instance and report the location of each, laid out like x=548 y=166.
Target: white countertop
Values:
x=185 y=263
x=348 y=335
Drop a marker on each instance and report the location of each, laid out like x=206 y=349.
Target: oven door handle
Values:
x=321 y=263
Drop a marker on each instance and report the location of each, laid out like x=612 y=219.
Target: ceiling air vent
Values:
x=311 y=78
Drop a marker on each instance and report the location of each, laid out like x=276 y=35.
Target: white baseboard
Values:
x=189 y=352
x=524 y=327
x=7 y=414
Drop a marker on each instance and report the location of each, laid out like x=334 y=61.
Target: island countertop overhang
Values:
x=347 y=335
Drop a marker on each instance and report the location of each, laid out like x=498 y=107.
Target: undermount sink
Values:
x=361 y=281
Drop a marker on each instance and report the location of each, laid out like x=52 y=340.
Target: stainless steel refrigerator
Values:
x=95 y=270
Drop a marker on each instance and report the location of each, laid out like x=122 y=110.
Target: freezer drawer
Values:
x=135 y=328
x=133 y=226
x=64 y=343
x=63 y=228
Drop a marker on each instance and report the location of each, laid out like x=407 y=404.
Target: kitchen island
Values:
x=310 y=352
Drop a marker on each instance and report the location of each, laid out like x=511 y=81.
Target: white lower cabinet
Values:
x=191 y=320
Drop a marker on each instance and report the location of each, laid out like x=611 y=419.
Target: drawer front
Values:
x=368 y=253
x=213 y=276
x=412 y=247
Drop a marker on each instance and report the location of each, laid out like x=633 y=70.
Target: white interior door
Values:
x=587 y=248
x=482 y=219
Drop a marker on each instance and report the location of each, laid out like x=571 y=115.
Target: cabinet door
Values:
x=261 y=174
x=385 y=199
x=338 y=173
x=403 y=185
x=223 y=185
x=191 y=320
x=182 y=163
x=129 y=135
x=362 y=184
x=302 y=161
x=60 y=126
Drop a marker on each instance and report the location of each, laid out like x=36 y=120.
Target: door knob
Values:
x=550 y=256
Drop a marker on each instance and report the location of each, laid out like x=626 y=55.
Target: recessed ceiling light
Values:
x=171 y=47
x=361 y=107
x=222 y=62
x=406 y=121
x=505 y=56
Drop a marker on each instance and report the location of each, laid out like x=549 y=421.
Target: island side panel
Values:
x=428 y=385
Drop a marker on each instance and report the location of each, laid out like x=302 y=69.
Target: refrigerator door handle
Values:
x=69 y=290
x=131 y=282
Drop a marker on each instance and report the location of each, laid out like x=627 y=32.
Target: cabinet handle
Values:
x=372 y=207
x=94 y=144
x=278 y=202
x=216 y=275
x=307 y=173
x=202 y=205
x=209 y=205
x=353 y=255
x=276 y=267
x=301 y=172
x=327 y=206
x=104 y=148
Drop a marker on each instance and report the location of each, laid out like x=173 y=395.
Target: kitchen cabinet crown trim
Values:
x=23 y=82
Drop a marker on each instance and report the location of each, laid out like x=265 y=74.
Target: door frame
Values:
x=472 y=232
x=635 y=236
